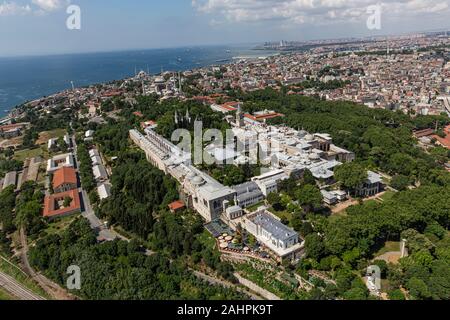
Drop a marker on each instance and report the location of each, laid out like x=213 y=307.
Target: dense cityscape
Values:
x=330 y=181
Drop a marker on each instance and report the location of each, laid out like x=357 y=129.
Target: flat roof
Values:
x=272 y=225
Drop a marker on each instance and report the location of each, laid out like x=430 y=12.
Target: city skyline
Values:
x=178 y=23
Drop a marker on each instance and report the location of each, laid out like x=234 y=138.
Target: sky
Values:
x=34 y=27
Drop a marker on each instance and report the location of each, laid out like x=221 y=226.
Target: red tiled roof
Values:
x=423 y=133
x=64 y=175
x=50 y=207
x=177 y=205
x=230 y=105
x=445 y=141
x=263 y=116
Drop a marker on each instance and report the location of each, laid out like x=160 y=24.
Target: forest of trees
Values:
x=119 y=269
x=382 y=140
x=139 y=190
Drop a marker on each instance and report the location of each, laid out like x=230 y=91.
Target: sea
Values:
x=24 y=79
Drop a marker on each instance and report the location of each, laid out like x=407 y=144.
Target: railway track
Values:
x=16 y=289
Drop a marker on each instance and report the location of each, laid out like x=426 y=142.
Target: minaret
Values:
x=179 y=83
x=188 y=117
x=239 y=116
x=176 y=117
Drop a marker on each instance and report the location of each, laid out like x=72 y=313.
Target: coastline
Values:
x=48 y=75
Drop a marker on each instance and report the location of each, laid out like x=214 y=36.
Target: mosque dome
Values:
x=198 y=180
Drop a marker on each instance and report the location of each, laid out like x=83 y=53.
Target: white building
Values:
x=268 y=230
x=10 y=179
x=100 y=173
x=205 y=194
x=52 y=143
x=59 y=161
x=104 y=191
x=268 y=182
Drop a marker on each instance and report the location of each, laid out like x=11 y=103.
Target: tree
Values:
x=351 y=175
x=67 y=201
x=309 y=197
x=396 y=294
x=418 y=289
x=400 y=182
x=314 y=246
x=308 y=178
x=275 y=201
x=355 y=294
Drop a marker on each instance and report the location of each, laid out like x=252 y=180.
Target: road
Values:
x=96 y=224
x=16 y=289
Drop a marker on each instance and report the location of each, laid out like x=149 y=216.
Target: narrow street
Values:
x=96 y=224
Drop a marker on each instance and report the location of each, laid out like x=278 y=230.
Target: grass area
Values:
x=389 y=246
x=388 y=195
x=22 y=155
x=46 y=135
x=59 y=225
x=5 y=295
x=255 y=207
x=371 y=202
x=14 y=271
x=282 y=214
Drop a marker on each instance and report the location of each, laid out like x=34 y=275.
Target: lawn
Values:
x=56 y=226
x=282 y=214
x=255 y=207
x=46 y=135
x=387 y=195
x=22 y=155
x=390 y=246
x=5 y=295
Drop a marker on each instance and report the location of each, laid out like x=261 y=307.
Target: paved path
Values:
x=96 y=224
x=17 y=289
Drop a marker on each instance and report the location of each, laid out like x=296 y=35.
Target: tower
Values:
x=239 y=116
x=188 y=117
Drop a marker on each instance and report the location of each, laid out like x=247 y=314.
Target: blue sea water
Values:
x=27 y=78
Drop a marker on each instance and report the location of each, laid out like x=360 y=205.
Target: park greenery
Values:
x=119 y=270
x=340 y=246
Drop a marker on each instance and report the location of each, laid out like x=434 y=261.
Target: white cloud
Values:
x=313 y=11
x=50 y=5
x=12 y=8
